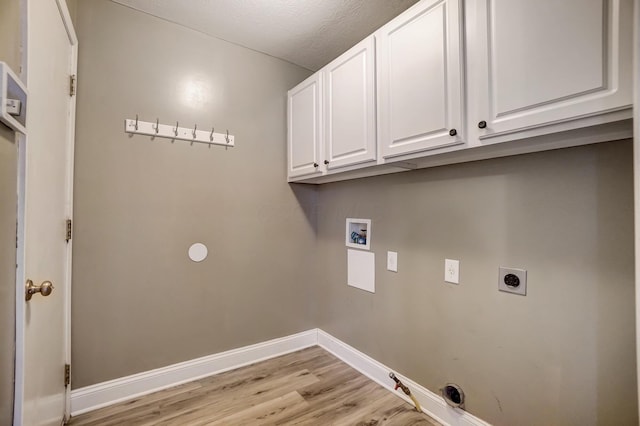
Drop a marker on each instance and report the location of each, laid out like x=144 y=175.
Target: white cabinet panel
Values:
x=420 y=86
x=548 y=61
x=304 y=127
x=350 y=127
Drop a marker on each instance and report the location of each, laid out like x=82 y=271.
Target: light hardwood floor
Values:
x=308 y=387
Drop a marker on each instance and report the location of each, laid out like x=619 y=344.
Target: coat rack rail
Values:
x=156 y=129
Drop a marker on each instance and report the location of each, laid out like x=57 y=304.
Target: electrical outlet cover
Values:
x=512 y=280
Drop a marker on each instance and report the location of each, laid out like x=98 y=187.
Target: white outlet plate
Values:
x=14 y=107
x=392 y=261
x=452 y=271
x=520 y=279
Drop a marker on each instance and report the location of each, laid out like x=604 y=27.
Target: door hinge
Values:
x=72 y=85
x=67 y=375
x=69 y=227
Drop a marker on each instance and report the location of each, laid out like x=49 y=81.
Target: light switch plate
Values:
x=452 y=271
x=392 y=261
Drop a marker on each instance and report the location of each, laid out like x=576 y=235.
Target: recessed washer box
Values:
x=358 y=233
x=13 y=100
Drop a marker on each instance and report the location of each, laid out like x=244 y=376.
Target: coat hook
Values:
x=175 y=131
x=157 y=125
x=195 y=127
x=136 y=121
x=227 y=137
x=211 y=135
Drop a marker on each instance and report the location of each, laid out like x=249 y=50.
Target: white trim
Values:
x=107 y=393
x=114 y=391
x=432 y=404
x=18 y=394
x=66 y=20
x=73 y=70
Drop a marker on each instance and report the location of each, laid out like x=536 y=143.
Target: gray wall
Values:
x=138 y=302
x=9 y=53
x=562 y=355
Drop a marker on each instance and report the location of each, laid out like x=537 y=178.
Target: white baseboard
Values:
x=432 y=404
x=107 y=393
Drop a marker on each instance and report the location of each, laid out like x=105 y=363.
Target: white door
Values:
x=350 y=107
x=549 y=61
x=44 y=326
x=304 y=127
x=420 y=79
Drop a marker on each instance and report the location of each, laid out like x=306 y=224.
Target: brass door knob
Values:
x=44 y=289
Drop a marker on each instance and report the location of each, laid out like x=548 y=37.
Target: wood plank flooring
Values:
x=308 y=387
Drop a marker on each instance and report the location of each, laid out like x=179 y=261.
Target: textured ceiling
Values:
x=309 y=33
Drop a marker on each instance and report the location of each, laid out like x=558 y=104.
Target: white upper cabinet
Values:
x=349 y=102
x=304 y=127
x=459 y=80
x=420 y=79
x=544 y=62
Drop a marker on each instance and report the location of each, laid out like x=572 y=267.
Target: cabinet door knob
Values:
x=453 y=132
x=482 y=124
x=326 y=161
x=315 y=164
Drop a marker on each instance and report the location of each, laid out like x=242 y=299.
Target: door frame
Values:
x=18 y=408
x=636 y=176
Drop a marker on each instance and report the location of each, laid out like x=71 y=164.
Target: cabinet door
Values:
x=304 y=127
x=550 y=61
x=350 y=121
x=420 y=79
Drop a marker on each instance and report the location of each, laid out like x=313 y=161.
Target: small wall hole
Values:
x=453 y=395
